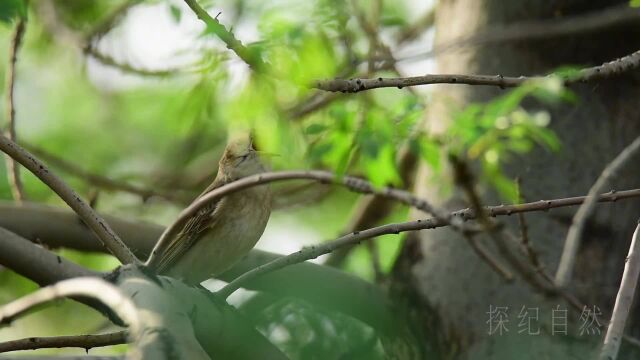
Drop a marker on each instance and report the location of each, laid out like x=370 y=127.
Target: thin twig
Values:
x=534 y=259
x=94 y=221
x=413 y=31
x=102 y=181
x=488 y=257
x=321 y=99
x=79 y=341
x=572 y=243
x=352 y=183
x=13 y=168
x=213 y=25
x=51 y=21
x=603 y=71
x=499 y=235
x=105 y=59
x=110 y=21
x=371 y=210
x=313 y=252
x=99 y=31
x=624 y=300
x=464 y=179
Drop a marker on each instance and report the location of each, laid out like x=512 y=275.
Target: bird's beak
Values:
x=267 y=154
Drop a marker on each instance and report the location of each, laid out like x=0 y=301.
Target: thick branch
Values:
x=34 y=262
x=572 y=243
x=187 y=319
x=624 y=300
x=57 y=227
x=352 y=183
x=356 y=237
x=13 y=167
x=603 y=71
x=106 y=235
x=79 y=341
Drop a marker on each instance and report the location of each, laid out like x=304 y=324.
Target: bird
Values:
x=220 y=234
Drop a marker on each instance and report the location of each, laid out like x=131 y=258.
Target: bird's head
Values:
x=240 y=159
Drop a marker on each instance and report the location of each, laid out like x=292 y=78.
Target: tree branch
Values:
x=252 y=59
x=371 y=210
x=352 y=183
x=80 y=341
x=34 y=262
x=106 y=235
x=624 y=300
x=13 y=168
x=572 y=242
x=413 y=31
x=105 y=59
x=57 y=227
x=109 y=21
x=603 y=71
x=90 y=287
x=314 y=251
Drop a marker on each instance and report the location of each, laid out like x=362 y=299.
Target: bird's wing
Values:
x=190 y=233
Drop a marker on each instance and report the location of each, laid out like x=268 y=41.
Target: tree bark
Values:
x=440 y=268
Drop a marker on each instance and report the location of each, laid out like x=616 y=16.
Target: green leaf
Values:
x=382 y=170
x=430 y=152
x=176 y=13
x=634 y=3
x=314 y=129
x=393 y=20
x=11 y=9
x=317 y=153
x=369 y=146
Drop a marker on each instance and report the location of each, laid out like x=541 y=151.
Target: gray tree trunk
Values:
x=439 y=267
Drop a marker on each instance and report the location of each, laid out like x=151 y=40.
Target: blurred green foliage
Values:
x=11 y=9
x=494 y=132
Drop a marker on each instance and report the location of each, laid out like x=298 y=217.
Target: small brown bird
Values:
x=223 y=232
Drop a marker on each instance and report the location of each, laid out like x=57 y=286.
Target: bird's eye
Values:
x=243 y=158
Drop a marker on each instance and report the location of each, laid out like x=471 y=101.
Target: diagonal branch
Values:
x=100 y=227
x=13 y=167
x=572 y=243
x=314 y=251
x=213 y=25
x=109 y=21
x=352 y=183
x=79 y=341
x=35 y=263
x=624 y=300
x=603 y=71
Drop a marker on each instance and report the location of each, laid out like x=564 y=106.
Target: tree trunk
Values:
x=441 y=268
